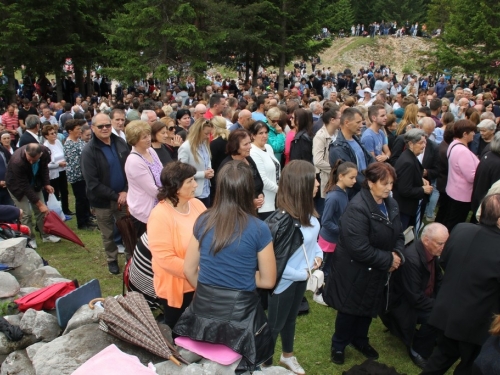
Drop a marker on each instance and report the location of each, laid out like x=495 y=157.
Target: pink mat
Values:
x=215 y=352
x=112 y=361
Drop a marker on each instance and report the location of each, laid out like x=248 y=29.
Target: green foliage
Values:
x=402 y=10
x=471 y=38
x=342 y=15
x=438 y=14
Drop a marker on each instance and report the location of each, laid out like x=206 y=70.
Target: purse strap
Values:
x=307 y=260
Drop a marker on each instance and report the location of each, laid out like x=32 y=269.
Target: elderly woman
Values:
x=369 y=249
x=276 y=138
x=487 y=173
x=196 y=152
x=57 y=166
x=143 y=170
x=267 y=164
x=480 y=143
x=238 y=148
x=411 y=190
x=462 y=164
x=170 y=229
x=183 y=119
x=229 y=257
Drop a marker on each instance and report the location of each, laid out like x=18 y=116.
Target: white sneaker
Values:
x=121 y=249
x=51 y=238
x=292 y=364
x=33 y=244
x=318 y=298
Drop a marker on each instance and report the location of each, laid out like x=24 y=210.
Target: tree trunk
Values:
x=11 y=84
x=255 y=70
x=90 y=85
x=281 y=76
x=59 y=87
x=79 y=76
x=247 y=67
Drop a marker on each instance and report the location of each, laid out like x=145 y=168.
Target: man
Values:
x=78 y=106
x=149 y=116
x=458 y=94
x=374 y=138
x=118 y=123
x=327 y=89
x=422 y=98
x=481 y=142
x=348 y=147
x=133 y=113
x=416 y=286
x=435 y=107
x=459 y=111
x=32 y=130
x=199 y=111
x=399 y=101
x=65 y=116
x=25 y=111
x=47 y=116
x=468 y=298
x=316 y=109
x=10 y=122
x=217 y=103
x=441 y=88
x=262 y=107
x=333 y=97
x=243 y=122
x=103 y=163
x=468 y=95
x=27 y=174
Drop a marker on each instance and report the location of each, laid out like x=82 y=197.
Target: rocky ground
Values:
x=48 y=349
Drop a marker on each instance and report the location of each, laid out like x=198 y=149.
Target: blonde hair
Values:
x=495 y=326
x=409 y=118
x=167 y=120
x=220 y=126
x=273 y=113
x=135 y=130
x=195 y=137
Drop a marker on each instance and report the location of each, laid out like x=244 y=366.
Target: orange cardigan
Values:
x=169 y=233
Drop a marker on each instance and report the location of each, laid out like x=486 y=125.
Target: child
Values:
x=342 y=176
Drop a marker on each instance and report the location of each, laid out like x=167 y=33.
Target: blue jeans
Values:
x=431 y=206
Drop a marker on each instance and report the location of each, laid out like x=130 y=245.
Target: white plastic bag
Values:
x=54 y=205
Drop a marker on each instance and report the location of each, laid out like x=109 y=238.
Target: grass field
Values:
x=313 y=332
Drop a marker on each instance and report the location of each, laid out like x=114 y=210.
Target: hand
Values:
x=278 y=129
x=177 y=140
x=259 y=201
x=20 y=214
x=49 y=189
x=317 y=263
x=122 y=198
x=428 y=189
x=43 y=209
x=2 y=184
x=62 y=163
x=396 y=261
x=425 y=182
x=382 y=157
x=425 y=175
x=209 y=173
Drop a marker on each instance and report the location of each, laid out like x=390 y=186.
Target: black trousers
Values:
x=172 y=314
x=444 y=206
x=140 y=227
x=82 y=205
x=60 y=186
x=424 y=338
x=5 y=198
x=350 y=329
x=457 y=213
x=446 y=354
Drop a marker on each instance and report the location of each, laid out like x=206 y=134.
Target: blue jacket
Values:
x=335 y=204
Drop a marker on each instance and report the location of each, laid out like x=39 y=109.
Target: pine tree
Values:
x=342 y=16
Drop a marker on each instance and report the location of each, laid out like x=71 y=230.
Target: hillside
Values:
x=402 y=54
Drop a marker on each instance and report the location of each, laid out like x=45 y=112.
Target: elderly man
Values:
x=316 y=109
x=468 y=298
x=244 y=120
x=199 y=111
x=416 y=286
x=103 y=163
x=149 y=116
x=47 y=116
x=27 y=174
x=31 y=133
x=481 y=141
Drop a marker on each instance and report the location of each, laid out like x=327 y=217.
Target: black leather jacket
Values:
x=287 y=238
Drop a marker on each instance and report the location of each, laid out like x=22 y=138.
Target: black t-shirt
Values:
x=23 y=113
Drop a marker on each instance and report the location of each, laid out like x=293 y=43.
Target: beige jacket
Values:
x=321 y=144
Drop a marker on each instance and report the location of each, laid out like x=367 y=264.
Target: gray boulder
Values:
x=192 y=369
x=30 y=262
x=168 y=367
x=189 y=356
x=32 y=349
x=17 y=363
x=12 y=251
x=213 y=368
x=27 y=290
x=65 y=354
x=54 y=280
x=9 y=286
x=7 y=346
x=83 y=316
x=274 y=370
x=46 y=327
x=28 y=321
x=14 y=319
x=38 y=277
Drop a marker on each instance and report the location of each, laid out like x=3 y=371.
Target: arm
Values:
x=265 y=277
x=184 y=155
x=137 y=171
x=331 y=216
x=295 y=275
x=319 y=151
x=406 y=187
x=192 y=262
x=260 y=163
x=276 y=141
x=412 y=281
x=161 y=233
x=467 y=165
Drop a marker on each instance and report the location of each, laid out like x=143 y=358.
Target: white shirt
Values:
x=121 y=135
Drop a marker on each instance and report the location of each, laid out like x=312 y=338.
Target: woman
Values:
x=229 y=257
x=409 y=119
x=276 y=137
x=173 y=141
x=289 y=138
x=5 y=154
x=143 y=171
x=159 y=136
x=183 y=118
x=411 y=190
x=86 y=133
x=238 y=148
x=267 y=165
x=196 y=152
x=170 y=228
x=370 y=247
x=219 y=142
x=302 y=143
x=57 y=166
x=462 y=165
x=445 y=107
x=73 y=148
x=390 y=128
x=488 y=106
x=298 y=186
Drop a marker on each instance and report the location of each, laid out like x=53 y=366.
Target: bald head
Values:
x=428 y=125
x=244 y=118
x=434 y=237
x=199 y=111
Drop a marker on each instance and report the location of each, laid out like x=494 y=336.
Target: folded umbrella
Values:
x=129 y=318
x=54 y=225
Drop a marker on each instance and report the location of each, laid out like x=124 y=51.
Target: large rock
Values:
x=7 y=346
x=9 y=287
x=27 y=290
x=83 y=316
x=32 y=349
x=38 y=277
x=41 y=324
x=17 y=363
x=168 y=367
x=65 y=354
x=12 y=251
x=30 y=262
x=15 y=320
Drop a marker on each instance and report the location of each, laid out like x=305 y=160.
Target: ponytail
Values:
x=340 y=168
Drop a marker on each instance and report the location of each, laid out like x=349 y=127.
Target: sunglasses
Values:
x=171 y=128
x=100 y=127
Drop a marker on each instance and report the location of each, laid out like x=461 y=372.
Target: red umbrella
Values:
x=54 y=225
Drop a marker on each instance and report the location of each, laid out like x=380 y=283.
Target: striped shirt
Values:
x=10 y=122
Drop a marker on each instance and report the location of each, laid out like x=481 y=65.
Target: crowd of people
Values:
x=237 y=192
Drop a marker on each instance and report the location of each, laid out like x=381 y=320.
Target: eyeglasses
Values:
x=275 y=121
x=171 y=128
x=100 y=127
